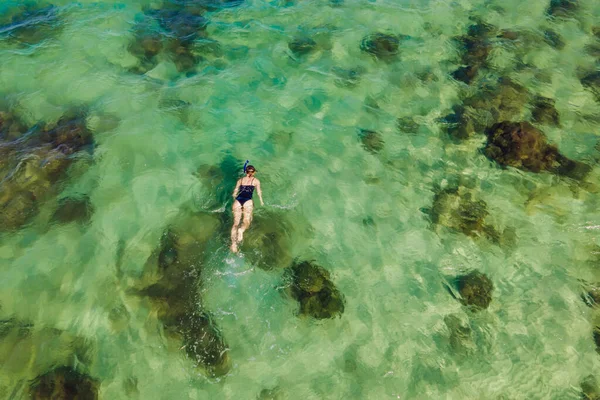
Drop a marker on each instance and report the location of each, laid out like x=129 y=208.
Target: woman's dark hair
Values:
x=250 y=168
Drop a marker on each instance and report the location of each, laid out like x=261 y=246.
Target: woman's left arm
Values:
x=262 y=203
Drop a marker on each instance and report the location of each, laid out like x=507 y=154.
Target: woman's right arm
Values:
x=237 y=186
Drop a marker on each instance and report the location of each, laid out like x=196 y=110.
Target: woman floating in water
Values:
x=243 y=204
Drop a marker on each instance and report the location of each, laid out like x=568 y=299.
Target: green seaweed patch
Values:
x=311 y=285
x=521 y=145
x=64 y=383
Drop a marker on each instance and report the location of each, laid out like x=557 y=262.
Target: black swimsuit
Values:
x=245 y=193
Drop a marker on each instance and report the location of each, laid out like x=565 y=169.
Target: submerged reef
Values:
x=302 y=45
x=382 y=46
x=347 y=77
x=596 y=336
x=475 y=47
x=46 y=352
x=267 y=244
x=73 y=209
x=553 y=39
x=592 y=296
x=271 y=394
x=174 y=30
x=591 y=81
x=562 y=8
x=311 y=286
x=64 y=383
x=504 y=100
x=461 y=334
x=474 y=290
x=11 y=127
x=145 y=47
x=521 y=145
x=35 y=162
x=175 y=293
x=457 y=209
x=590 y=389
x=219 y=180
x=372 y=141
x=407 y=124
x=310 y=40
x=544 y=111
x=30 y=24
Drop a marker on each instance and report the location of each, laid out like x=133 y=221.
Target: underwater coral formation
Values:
x=521 y=145
x=64 y=383
x=176 y=295
x=475 y=290
x=35 y=161
x=372 y=141
x=311 y=286
x=30 y=23
x=456 y=208
x=382 y=45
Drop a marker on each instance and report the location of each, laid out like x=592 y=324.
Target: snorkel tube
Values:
x=245 y=165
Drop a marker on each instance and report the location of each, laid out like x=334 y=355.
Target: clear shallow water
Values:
x=299 y=125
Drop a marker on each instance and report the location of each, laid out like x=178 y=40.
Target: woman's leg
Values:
x=247 y=211
x=237 y=217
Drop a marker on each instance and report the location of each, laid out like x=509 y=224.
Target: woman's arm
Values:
x=262 y=203
x=237 y=187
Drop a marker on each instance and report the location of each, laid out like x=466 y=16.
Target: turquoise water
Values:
x=167 y=143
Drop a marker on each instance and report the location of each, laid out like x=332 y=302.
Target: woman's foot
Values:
x=234 y=247
x=240 y=235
